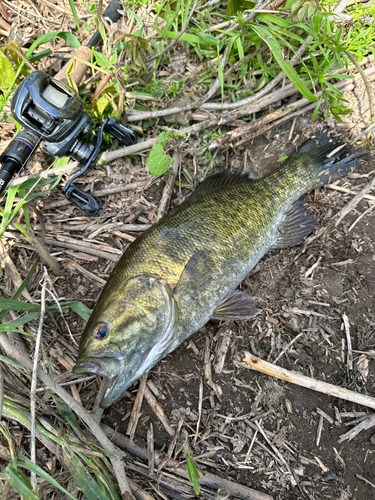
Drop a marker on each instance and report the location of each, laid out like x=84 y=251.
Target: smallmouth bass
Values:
x=184 y=270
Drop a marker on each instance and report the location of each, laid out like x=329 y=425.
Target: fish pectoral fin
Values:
x=198 y=270
x=298 y=223
x=236 y=306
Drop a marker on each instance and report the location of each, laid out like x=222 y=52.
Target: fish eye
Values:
x=100 y=331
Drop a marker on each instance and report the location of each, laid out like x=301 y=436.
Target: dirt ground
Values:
x=304 y=291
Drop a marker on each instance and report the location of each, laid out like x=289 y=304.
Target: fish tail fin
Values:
x=332 y=158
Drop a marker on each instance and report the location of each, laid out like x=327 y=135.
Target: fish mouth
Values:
x=108 y=368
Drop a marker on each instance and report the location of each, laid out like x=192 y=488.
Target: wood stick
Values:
x=136 y=411
x=80 y=248
x=158 y=410
x=354 y=202
x=222 y=349
x=169 y=185
x=365 y=424
x=102 y=192
x=257 y=364
x=349 y=191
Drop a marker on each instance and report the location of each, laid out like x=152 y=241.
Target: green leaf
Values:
x=68 y=37
x=303 y=9
x=6 y=72
x=8 y=208
x=81 y=309
x=101 y=59
x=282 y=158
x=316 y=109
x=163 y=139
x=339 y=76
x=138 y=19
x=61 y=161
x=220 y=72
x=158 y=161
x=19 y=482
x=194 y=39
x=10 y=362
x=84 y=480
x=193 y=474
x=38 y=56
x=74 y=12
x=284 y=64
x=26 y=463
x=238 y=5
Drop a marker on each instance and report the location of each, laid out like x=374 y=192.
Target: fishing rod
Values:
x=51 y=113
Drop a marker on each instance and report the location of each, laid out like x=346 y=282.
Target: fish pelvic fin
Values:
x=236 y=306
x=298 y=223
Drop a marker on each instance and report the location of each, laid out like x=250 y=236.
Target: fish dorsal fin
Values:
x=220 y=180
x=298 y=223
x=236 y=306
x=198 y=270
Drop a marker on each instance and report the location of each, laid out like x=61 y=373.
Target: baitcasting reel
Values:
x=51 y=112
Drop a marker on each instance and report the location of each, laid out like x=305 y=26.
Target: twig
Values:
x=147 y=115
x=7 y=262
x=136 y=411
x=361 y=216
x=101 y=192
x=363 y=133
x=287 y=347
x=70 y=169
x=200 y=405
x=349 y=191
x=81 y=248
x=150 y=450
x=175 y=40
x=222 y=349
x=319 y=431
x=280 y=115
x=366 y=480
x=34 y=378
x=354 y=202
x=348 y=341
x=158 y=410
x=172 y=445
x=169 y=185
x=108 y=156
x=118 y=465
x=254 y=363
x=276 y=451
x=365 y=424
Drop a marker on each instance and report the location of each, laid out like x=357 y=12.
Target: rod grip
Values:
x=79 y=69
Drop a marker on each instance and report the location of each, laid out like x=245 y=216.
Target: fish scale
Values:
x=183 y=270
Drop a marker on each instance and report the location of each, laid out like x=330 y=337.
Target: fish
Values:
x=185 y=269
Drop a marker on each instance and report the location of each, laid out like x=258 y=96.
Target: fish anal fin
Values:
x=236 y=306
x=298 y=223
